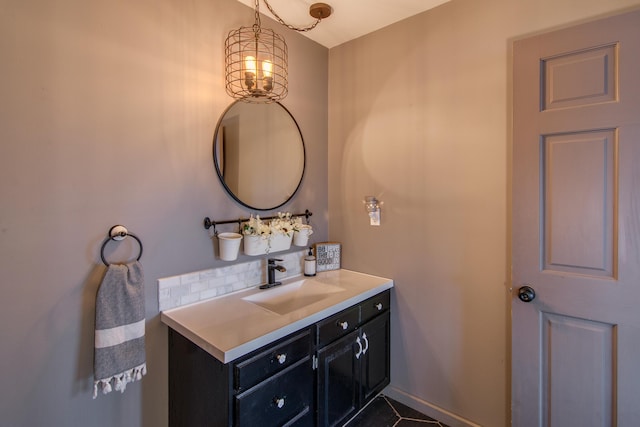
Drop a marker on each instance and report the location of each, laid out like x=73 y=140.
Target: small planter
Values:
x=257 y=245
x=280 y=242
x=229 y=245
x=301 y=236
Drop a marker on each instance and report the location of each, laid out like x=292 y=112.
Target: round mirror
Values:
x=259 y=154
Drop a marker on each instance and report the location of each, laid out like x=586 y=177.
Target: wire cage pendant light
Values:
x=256 y=63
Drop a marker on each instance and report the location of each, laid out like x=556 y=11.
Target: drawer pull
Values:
x=281 y=358
x=366 y=343
x=279 y=402
x=344 y=325
x=379 y=306
x=359 y=353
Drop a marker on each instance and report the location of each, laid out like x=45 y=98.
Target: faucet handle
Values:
x=272 y=261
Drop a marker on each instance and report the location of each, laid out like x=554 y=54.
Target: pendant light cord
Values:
x=281 y=21
x=257 y=25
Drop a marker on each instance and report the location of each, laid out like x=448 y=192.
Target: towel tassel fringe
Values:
x=119 y=382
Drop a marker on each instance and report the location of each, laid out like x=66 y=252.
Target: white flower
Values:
x=298 y=225
x=256 y=227
x=282 y=224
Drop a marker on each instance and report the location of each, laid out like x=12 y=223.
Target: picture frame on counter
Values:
x=328 y=255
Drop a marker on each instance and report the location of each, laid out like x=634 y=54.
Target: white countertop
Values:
x=229 y=327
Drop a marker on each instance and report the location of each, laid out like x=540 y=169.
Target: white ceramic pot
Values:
x=280 y=242
x=256 y=245
x=301 y=237
x=229 y=245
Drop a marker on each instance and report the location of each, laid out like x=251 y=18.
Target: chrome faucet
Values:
x=271 y=273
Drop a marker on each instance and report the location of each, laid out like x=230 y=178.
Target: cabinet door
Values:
x=338 y=381
x=375 y=360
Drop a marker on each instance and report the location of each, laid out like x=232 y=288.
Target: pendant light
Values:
x=256 y=58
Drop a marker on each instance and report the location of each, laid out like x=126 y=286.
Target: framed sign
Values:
x=327 y=256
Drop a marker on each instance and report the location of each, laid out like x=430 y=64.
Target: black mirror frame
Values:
x=220 y=174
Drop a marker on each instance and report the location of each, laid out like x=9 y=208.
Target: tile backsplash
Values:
x=176 y=291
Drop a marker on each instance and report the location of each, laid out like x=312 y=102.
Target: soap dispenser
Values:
x=310 y=264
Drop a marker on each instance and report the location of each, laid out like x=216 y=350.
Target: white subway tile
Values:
x=179 y=291
x=163 y=294
x=189 y=278
x=198 y=286
x=168 y=282
x=216 y=282
x=184 y=289
x=168 y=304
x=208 y=274
x=210 y=293
x=189 y=298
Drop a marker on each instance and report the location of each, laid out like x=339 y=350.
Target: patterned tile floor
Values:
x=386 y=412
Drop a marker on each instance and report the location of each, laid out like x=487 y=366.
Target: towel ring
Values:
x=118 y=232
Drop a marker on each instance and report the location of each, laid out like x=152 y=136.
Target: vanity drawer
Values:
x=263 y=365
x=338 y=325
x=285 y=399
x=374 y=306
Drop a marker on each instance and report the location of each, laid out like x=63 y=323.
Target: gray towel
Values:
x=119 y=356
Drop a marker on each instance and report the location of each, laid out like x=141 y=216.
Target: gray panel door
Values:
x=576 y=226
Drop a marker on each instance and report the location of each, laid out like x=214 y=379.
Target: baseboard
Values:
x=427 y=408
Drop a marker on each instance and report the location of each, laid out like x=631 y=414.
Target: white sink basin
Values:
x=284 y=299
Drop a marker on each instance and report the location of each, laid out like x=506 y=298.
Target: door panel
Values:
x=579 y=171
x=566 y=340
x=576 y=225
x=598 y=82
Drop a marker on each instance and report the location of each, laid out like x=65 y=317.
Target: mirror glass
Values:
x=259 y=154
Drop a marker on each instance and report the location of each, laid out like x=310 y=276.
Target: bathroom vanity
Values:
x=311 y=352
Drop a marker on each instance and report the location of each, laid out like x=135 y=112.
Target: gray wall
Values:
x=107 y=113
x=419 y=116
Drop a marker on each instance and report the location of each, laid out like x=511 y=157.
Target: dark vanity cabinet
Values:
x=276 y=386
x=318 y=376
x=272 y=386
x=353 y=359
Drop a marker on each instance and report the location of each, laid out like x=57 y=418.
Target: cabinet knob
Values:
x=379 y=306
x=279 y=402
x=344 y=325
x=281 y=358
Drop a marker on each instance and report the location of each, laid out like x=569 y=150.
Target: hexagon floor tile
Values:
x=386 y=412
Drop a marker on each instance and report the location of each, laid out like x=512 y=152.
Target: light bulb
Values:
x=250 y=72
x=267 y=68
x=267 y=73
x=250 y=64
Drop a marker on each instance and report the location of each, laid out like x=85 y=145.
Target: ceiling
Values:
x=350 y=19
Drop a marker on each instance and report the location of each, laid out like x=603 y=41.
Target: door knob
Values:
x=526 y=293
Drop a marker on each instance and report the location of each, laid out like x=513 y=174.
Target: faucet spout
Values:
x=271 y=273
